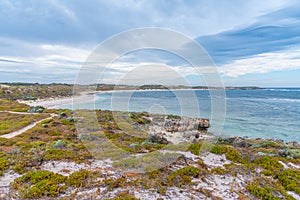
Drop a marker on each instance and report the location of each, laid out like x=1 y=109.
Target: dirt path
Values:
x=19 y=113
x=26 y=128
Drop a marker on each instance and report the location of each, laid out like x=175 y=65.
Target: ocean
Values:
x=263 y=113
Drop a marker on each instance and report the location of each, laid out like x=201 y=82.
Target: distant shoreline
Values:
x=88 y=96
x=56 y=102
x=86 y=101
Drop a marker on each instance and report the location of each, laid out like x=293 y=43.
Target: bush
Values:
x=233 y=155
x=195 y=148
x=19 y=168
x=3 y=165
x=218 y=170
x=173 y=117
x=78 y=179
x=218 y=149
x=261 y=192
x=59 y=154
x=183 y=176
x=36 y=109
x=268 y=162
x=124 y=196
x=115 y=183
x=37 y=184
x=59 y=144
x=290 y=179
x=62 y=115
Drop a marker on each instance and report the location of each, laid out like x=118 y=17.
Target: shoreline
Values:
x=56 y=102
x=91 y=96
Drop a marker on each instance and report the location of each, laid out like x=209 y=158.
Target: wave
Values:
x=284 y=89
x=283 y=99
x=263 y=99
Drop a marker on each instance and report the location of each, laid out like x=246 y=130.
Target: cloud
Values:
x=50 y=55
x=269 y=44
x=227 y=47
x=263 y=63
x=48 y=40
x=39 y=62
x=274 y=31
x=70 y=22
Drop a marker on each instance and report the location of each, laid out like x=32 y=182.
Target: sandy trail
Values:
x=20 y=113
x=26 y=128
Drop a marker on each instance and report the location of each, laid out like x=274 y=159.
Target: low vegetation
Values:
x=57 y=140
x=183 y=176
x=37 y=184
x=10 y=122
x=22 y=91
x=9 y=105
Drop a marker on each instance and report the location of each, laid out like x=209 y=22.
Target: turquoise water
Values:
x=268 y=113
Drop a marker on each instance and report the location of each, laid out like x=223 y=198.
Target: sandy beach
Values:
x=57 y=102
x=53 y=103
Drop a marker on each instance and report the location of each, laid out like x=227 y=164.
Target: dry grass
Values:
x=7 y=105
x=10 y=122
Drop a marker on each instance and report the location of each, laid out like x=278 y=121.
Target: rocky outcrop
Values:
x=158 y=139
x=180 y=129
x=186 y=124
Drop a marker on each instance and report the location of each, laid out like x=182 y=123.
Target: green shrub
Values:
x=195 y=148
x=290 y=179
x=59 y=154
x=19 y=168
x=268 y=188
x=268 y=144
x=36 y=109
x=54 y=133
x=267 y=172
x=218 y=149
x=12 y=106
x=218 y=170
x=62 y=115
x=68 y=121
x=6 y=142
x=37 y=184
x=233 y=155
x=189 y=171
x=115 y=183
x=261 y=192
x=173 y=117
x=59 y=144
x=125 y=195
x=78 y=179
x=3 y=165
x=182 y=177
x=268 y=162
x=12 y=122
x=43 y=188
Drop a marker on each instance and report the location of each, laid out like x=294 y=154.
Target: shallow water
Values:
x=269 y=113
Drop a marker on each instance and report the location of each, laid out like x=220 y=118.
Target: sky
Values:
x=253 y=42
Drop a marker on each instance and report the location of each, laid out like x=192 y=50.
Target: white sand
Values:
x=214 y=160
x=53 y=103
x=66 y=168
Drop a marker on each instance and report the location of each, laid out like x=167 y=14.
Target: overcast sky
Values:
x=251 y=42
